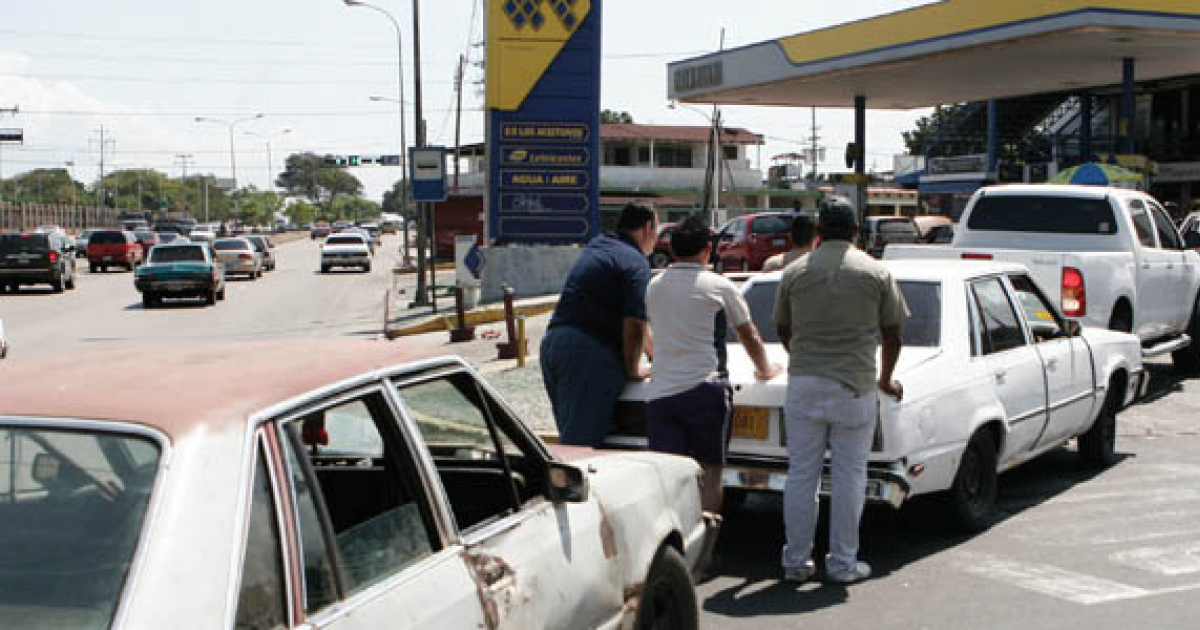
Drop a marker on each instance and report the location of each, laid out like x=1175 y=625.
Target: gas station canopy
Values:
x=953 y=51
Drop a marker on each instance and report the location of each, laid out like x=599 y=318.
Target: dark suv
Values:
x=36 y=258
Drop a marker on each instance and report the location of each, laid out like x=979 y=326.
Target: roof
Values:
x=1064 y=190
x=216 y=385
x=950 y=52
x=676 y=133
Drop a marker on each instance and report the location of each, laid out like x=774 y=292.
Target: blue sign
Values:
x=427 y=172
x=544 y=121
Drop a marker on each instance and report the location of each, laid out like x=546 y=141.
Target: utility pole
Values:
x=458 y=83
x=814 y=151
x=424 y=216
x=104 y=143
x=11 y=111
x=182 y=160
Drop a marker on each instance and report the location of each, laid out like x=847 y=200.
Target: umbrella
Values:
x=1096 y=174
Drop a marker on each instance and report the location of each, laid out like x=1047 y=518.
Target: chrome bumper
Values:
x=885 y=485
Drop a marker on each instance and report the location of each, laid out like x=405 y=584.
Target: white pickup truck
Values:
x=1108 y=257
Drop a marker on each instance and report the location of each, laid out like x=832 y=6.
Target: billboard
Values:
x=543 y=98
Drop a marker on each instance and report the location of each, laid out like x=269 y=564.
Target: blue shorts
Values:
x=694 y=423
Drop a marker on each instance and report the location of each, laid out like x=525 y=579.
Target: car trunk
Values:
x=25 y=251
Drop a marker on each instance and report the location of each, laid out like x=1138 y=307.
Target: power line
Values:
x=186 y=80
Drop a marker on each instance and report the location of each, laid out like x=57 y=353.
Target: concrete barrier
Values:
x=531 y=270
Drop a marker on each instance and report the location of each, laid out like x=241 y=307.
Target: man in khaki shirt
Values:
x=833 y=307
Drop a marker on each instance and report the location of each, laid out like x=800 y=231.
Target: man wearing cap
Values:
x=833 y=308
x=804 y=235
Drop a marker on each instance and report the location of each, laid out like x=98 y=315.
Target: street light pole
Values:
x=270 y=163
x=237 y=206
x=421 y=298
x=403 y=157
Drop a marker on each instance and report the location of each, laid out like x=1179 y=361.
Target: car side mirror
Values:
x=1074 y=329
x=565 y=483
x=1191 y=240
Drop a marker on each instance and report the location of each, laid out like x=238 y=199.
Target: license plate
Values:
x=751 y=422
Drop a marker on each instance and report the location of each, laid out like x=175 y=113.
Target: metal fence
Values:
x=27 y=216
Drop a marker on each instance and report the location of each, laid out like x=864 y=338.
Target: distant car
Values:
x=877 y=233
x=933 y=227
x=146 y=239
x=661 y=256
x=36 y=258
x=320 y=230
x=238 y=255
x=350 y=229
x=113 y=247
x=381 y=486
x=746 y=242
x=166 y=238
x=389 y=226
x=202 y=236
x=345 y=250
x=81 y=243
x=180 y=270
x=264 y=246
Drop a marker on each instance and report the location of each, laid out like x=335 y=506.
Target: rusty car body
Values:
x=379 y=486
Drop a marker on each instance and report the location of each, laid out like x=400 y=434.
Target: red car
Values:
x=661 y=256
x=745 y=243
x=113 y=247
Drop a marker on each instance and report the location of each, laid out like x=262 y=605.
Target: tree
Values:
x=260 y=207
x=301 y=212
x=392 y=201
x=347 y=208
x=611 y=117
x=308 y=176
x=44 y=185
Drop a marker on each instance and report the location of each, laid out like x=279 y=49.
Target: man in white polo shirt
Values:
x=690 y=401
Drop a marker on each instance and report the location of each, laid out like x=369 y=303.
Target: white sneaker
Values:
x=860 y=571
x=801 y=573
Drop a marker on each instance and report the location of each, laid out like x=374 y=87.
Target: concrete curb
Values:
x=479 y=316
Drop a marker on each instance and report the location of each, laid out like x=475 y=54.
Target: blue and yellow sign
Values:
x=543 y=97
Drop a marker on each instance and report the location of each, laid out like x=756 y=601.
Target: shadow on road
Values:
x=39 y=291
x=752 y=538
x=1164 y=381
x=168 y=305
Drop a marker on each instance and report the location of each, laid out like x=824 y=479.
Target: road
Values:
x=1109 y=550
x=293 y=300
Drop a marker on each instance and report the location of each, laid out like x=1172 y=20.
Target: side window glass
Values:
x=1168 y=238
x=1001 y=328
x=484 y=473
x=262 y=601
x=320 y=585
x=370 y=496
x=1141 y=223
x=1044 y=322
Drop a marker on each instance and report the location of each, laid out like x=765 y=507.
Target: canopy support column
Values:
x=860 y=145
x=1128 y=106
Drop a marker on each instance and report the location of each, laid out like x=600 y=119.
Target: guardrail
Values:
x=27 y=216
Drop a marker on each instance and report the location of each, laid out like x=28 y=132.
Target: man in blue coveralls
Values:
x=598 y=331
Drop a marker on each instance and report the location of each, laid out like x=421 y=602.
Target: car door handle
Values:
x=1001 y=375
x=1051 y=364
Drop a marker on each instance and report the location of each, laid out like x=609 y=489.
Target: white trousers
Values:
x=820 y=413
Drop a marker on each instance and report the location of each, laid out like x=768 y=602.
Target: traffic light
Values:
x=353 y=160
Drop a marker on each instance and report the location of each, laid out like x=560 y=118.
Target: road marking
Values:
x=1047 y=580
x=1171 y=560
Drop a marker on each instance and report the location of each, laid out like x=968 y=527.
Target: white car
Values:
x=993 y=376
x=345 y=249
x=378 y=487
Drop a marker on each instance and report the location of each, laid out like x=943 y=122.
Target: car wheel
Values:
x=149 y=300
x=103 y=268
x=70 y=283
x=324 y=269
x=658 y=260
x=210 y=298
x=366 y=268
x=92 y=268
x=1098 y=446
x=1187 y=360
x=973 y=494
x=669 y=597
x=221 y=293
x=1121 y=320
x=59 y=285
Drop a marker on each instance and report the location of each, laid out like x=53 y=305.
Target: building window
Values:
x=673 y=156
x=731 y=151
x=618 y=154
x=643 y=155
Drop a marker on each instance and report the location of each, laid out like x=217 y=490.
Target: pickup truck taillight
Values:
x=976 y=256
x=53 y=258
x=1074 y=293
x=245 y=256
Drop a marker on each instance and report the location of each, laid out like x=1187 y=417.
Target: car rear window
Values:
x=897 y=226
x=72 y=504
x=177 y=253
x=923 y=327
x=231 y=245
x=107 y=238
x=770 y=225
x=1046 y=214
x=23 y=244
x=344 y=240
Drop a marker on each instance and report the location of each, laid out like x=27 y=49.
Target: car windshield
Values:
x=72 y=504
x=231 y=245
x=107 y=238
x=1046 y=214
x=897 y=226
x=173 y=254
x=344 y=240
x=23 y=244
x=770 y=225
x=922 y=328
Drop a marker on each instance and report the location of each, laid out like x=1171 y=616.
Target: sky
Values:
x=143 y=70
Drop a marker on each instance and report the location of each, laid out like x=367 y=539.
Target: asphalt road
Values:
x=1116 y=549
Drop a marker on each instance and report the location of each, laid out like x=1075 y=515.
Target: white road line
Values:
x=1170 y=560
x=1047 y=580
x=1121 y=525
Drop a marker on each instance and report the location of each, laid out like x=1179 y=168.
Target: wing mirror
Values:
x=566 y=483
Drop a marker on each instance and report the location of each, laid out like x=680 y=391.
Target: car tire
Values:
x=103 y=268
x=668 y=597
x=1097 y=446
x=93 y=268
x=70 y=283
x=324 y=269
x=1121 y=319
x=58 y=285
x=221 y=294
x=366 y=268
x=1187 y=360
x=149 y=300
x=658 y=260
x=210 y=298
x=973 y=494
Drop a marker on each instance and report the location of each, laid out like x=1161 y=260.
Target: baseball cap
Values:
x=837 y=215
